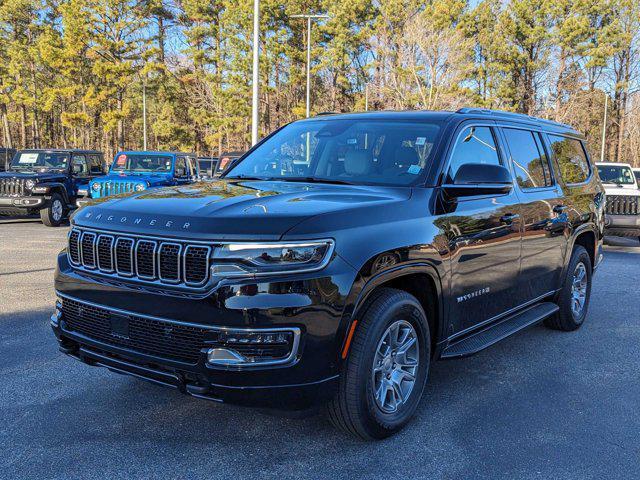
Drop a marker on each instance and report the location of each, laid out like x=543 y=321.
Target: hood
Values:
x=148 y=179
x=614 y=189
x=232 y=210
x=38 y=177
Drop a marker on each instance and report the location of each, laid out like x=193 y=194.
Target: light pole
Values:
x=256 y=52
x=144 y=113
x=604 y=126
x=309 y=17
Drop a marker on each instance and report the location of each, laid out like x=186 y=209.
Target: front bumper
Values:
x=10 y=204
x=311 y=305
x=622 y=225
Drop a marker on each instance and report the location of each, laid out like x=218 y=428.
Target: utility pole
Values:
x=144 y=113
x=604 y=126
x=255 y=106
x=309 y=17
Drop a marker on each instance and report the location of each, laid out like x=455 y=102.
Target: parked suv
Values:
x=623 y=199
x=138 y=171
x=47 y=181
x=396 y=239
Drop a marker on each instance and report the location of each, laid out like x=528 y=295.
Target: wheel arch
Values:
x=413 y=279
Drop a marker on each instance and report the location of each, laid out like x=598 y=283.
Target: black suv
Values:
x=338 y=259
x=47 y=181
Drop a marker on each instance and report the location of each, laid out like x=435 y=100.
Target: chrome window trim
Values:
x=178 y=263
x=111 y=250
x=288 y=361
x=133 y=265
x=153 y=259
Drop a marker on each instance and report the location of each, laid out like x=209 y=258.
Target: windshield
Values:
x=40 y=161
x=140 y=162
x=343 y=151
x=620 y=175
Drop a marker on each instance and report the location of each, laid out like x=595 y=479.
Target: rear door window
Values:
x=529 y=159
x=571 y=158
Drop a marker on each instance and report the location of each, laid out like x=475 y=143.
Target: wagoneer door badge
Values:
x=471 y=295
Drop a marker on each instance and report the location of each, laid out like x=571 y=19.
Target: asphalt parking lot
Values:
x=541 y=405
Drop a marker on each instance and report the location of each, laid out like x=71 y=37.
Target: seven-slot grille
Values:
x=169 y=340
x=11 y=186
x=113 y=187
x=140 y=258
x=622 y=205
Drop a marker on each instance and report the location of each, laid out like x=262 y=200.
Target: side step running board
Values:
x=486 y=337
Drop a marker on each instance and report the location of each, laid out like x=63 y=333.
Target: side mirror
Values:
x=479 y=179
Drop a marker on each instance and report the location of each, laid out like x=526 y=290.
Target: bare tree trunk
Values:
x=8 y=141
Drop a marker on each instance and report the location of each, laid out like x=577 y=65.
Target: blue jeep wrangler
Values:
x=138 y=171
x=48 y=182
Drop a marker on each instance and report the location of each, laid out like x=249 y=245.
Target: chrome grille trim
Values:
x=181 y=264
x=111 y=267
x=206 y=267
x=83 y=255
x=12 y=187
x=119 y=270
x=177 y=265
x=152 y=257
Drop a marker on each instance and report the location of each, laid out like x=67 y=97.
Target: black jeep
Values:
x=47 y=181
x=338 y=259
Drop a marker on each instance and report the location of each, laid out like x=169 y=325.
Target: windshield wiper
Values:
x=331 y=181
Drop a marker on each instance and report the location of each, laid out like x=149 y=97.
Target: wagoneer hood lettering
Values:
x=230 y=209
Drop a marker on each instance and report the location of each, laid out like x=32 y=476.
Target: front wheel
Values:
x=386 y=371
x=52 y=215
x=574 y=297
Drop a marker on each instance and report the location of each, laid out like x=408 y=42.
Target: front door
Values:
x=544 y=215
x=484 y=235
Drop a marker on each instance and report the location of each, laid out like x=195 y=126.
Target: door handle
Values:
x=509 y=218
x=559 y=208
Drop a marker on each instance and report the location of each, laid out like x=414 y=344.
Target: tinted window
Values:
x=618 y=174
x=345 y=150
x=573 y=163
x=181 y=167
x=95 y=164
x=528 y=157
x=637 y=174
x=39 y=161
x=80 y=165
x=474 y=145
x=141 y=162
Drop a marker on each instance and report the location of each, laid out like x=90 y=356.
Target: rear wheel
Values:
x=386 y=370
x=53 y=215
x=575 y=294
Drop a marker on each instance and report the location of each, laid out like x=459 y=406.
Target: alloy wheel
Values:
x=578 y=290
x=395 y=366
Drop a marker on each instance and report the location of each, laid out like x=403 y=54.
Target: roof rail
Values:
x=327 y=113
x=502 y=113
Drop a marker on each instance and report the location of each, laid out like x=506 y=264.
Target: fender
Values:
x=364 y=287
x=586 y=227
x=58 y=188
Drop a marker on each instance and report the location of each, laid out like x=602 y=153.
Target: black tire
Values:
x=53 y=215
x=354 y=409
x=567 y=319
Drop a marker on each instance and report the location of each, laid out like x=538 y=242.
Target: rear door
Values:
x=543 y=211
x=181 y=171
x=484 y=236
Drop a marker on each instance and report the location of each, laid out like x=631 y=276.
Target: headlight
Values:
x=95 y=187
x=29 y=184
x=140 y=187
x=251 y=259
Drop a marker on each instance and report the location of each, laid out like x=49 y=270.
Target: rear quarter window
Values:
x=571 y=157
